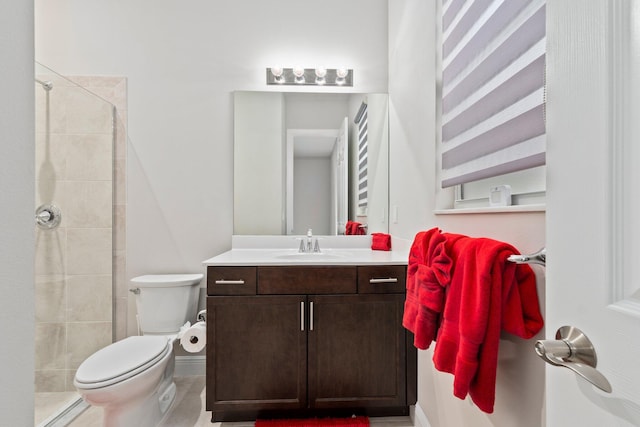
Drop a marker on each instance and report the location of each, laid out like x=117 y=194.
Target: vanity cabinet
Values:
x=307 y=340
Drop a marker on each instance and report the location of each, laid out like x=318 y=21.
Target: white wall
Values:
x=183 y=61
x=412 y=90
x=17 y=191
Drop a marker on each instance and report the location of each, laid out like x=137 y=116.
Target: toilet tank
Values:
x=165 y=302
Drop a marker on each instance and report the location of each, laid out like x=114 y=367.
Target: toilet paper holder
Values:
x=202 y=316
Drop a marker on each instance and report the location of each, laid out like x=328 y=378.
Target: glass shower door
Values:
x=74 y=235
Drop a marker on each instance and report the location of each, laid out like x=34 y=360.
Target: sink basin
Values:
x=312 y=256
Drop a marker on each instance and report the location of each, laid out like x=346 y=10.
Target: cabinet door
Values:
x=256 y=353
x=357 y=351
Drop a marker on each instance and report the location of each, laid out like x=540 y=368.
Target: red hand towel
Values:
x=348 y=230
x=380 y=242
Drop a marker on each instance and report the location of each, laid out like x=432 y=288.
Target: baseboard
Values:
x=190 y=366
x=419 y=417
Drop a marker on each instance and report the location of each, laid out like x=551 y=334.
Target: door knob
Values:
x=572 y=349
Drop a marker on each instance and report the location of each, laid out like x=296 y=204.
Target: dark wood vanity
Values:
x=302 y=340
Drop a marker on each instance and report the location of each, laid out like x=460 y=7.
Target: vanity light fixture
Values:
x=319 y=76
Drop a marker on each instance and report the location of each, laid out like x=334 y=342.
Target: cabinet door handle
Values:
x=302 y=316
x=311 y=316
x=229 y=282
x=384 y=280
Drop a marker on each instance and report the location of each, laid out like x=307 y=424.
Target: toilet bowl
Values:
x=132 y=379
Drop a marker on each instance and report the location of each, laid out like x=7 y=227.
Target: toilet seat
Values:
x=121 y=360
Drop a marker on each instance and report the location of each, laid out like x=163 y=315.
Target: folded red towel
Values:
x=380 y=242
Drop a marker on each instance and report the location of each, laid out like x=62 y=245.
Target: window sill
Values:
x=500 y=209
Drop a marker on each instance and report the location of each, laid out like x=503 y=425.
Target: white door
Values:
x=593 y=206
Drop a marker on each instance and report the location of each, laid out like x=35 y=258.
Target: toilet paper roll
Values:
x=194 y=339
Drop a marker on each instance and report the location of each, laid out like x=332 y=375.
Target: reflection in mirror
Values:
x=301 y=161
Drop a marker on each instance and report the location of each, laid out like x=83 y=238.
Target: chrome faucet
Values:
x=307 y=246
x=309 y=239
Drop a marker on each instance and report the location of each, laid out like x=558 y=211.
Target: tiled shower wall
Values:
x=80 y=167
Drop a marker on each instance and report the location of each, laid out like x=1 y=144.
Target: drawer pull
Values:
x=229 y=282
x=302 y=316
x=311 y=316
x=385 y=280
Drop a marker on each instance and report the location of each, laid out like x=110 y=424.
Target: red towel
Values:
x=428 y=273
x=380 y=242
x=354 y=228
x=486 y=294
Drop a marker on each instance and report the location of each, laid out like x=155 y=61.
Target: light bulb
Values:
x=321 y=72
x=277 y=74
x=341 y=73
x=298 y=72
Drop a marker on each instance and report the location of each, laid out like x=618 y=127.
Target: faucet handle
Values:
x=302 y=247
x=316 y=246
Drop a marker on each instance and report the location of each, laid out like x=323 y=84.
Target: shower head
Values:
x=46 y=85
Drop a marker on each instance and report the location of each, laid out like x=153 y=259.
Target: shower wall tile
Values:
x=120 y=186
x=50 y=296
x=89 y=157
x=87 y=114
x=119 y=218
x=89 y=204
x=84 y=339
x=50 y=343
x=51 y=157
x=69 y=375
x=121 y=286
x=89 y=298
x=89 y=251
x=120 y=149
x=50 y=380
x=120 y=323
x=50 y=251
x=54 y=118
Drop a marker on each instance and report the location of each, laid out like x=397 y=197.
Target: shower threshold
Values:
x=67 y=413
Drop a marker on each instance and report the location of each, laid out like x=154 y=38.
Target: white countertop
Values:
x=283 y=250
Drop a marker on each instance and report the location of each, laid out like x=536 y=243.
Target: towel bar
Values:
x=539 y=257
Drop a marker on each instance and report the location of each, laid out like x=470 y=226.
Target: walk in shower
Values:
x=75 y=202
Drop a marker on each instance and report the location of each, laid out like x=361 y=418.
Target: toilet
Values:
x=132 y=379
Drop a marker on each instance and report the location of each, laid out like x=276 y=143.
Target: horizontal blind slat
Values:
x=526 y=154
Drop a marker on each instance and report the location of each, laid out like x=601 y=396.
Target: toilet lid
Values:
x=121 y=360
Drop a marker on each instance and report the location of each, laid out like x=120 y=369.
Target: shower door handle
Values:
x=573 y=350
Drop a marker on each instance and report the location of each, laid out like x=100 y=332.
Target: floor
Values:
x=188 y=410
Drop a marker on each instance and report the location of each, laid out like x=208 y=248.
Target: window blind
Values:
x=361 y=121
x=493 y=65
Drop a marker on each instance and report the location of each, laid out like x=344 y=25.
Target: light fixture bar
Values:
x=310 y=77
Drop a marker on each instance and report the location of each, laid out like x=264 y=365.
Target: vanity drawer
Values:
x=307 y=280
x=382 y=279
x=231 y=280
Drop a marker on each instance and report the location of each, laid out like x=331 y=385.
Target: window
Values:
x=492 y=97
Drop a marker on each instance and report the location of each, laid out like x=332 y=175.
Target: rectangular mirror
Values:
x=301 y=161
